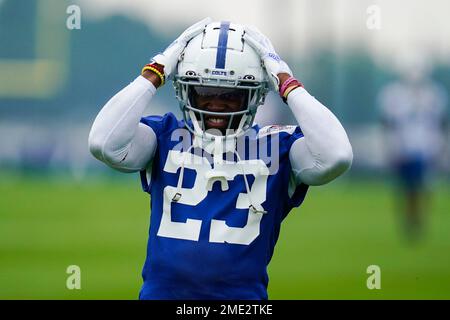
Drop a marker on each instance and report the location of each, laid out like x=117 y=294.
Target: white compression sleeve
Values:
x=117 y=137
x=324 y=152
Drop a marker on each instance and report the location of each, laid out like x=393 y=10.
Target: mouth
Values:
x=216 y=122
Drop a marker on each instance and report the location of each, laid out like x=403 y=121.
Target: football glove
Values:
x=169 y=58
x=272 y=61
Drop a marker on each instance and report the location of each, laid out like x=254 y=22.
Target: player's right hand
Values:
x=169 y=58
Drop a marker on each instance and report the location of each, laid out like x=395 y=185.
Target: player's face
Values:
x=219 y=100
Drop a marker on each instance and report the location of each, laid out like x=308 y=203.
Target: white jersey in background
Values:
x=414 y=115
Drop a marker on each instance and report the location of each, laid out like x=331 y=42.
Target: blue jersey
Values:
x=204 y=240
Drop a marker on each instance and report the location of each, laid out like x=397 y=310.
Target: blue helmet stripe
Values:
x=222 y=45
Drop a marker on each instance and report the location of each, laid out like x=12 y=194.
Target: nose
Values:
x=216 y=105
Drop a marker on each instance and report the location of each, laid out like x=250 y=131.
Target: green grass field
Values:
x=47 y=224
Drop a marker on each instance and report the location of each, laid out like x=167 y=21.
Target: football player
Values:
x=414 y=119
x=220 y=185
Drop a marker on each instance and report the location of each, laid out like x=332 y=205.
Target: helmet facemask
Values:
x=187 y=89
x=199 y=79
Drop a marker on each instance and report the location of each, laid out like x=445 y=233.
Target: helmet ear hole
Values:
x=191 y=73
x=249 y=77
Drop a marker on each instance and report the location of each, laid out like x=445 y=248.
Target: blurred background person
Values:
x=414 y=119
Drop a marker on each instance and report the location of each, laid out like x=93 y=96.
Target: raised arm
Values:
x=324 y=152
x=117 y=137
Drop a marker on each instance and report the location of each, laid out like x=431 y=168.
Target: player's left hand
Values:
x=272 y=61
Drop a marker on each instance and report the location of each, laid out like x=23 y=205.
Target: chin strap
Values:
x=197 y=130
x=178 y=194
x=253 y=208
x=240 y=127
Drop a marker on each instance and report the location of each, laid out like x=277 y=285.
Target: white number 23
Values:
x=220 y=232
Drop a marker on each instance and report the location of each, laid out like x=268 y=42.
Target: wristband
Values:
x=157 y=70
x=285 y=84
x=289 y=90
x=290 y=84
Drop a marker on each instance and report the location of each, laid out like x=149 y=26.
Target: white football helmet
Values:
x=220 y=58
